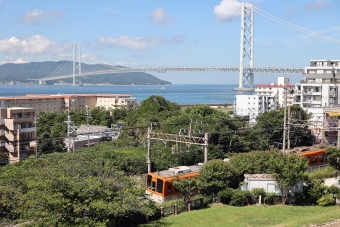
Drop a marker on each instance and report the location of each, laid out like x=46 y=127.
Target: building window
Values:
x=8 y=100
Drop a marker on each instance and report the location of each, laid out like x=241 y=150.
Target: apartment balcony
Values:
x=23 y=119
x=31 y=129
x=316 y=83
x=312 y=101
x=12 y=138
x=12 y=127
x=11 y=148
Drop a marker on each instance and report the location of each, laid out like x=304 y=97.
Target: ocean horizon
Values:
x=179 y=93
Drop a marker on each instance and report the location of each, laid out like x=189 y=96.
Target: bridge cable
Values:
x=198 y=43
x=94 y=58
x=298 y=28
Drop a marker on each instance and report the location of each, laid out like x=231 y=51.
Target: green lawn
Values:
x=279 y=215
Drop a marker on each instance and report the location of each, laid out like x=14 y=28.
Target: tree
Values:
x=73 y=189
x=186 y=186
x=215 y=176
x=271 y=124
x=288 y=171
x=316 y=189
x=333 y=155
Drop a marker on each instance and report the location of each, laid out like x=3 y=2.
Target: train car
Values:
x=315 y=156
x=159 y=186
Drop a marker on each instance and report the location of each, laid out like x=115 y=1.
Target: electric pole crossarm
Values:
x=176 y=138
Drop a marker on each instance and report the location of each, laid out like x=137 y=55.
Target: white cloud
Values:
x=139 y=43
x=227 y=9
x=316 y=5
x=161 y=17
x=128 y=64
x=36 y=44
x=8 y=59
x=35 y=17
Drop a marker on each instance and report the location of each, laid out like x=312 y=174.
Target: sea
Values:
x=183 y=94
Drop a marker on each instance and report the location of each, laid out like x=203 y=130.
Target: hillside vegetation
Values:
x=37 y=70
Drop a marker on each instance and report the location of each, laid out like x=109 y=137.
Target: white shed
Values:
x=267 y=182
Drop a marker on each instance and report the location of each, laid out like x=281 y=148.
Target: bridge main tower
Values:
x=76 y=62
x=246 y=47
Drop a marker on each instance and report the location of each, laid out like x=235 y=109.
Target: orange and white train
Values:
x=159 y=186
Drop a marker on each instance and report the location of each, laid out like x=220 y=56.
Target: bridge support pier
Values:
x=247 y=48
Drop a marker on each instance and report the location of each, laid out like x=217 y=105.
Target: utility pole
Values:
x=88 y=127
x=149 y=150
x=206 y=137
x=284 y=122
x=338 y=143
x=288 y=134
x=68 y=122
x=36 y=136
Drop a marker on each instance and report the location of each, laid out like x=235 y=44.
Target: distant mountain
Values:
x=36 y=70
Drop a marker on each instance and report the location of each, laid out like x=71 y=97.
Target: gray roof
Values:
x=167 y=173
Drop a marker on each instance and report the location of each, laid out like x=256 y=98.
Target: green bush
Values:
x=225 y=195
x=258 y=192
x=272 y=198
x=333 y=190
x=240 y=198
x=324 y=173
x=326 y=200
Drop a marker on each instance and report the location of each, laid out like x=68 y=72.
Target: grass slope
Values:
x=279 y=216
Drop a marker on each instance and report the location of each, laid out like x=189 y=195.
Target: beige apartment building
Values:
x=59 y=102
x=17 y=116
x=17 y=130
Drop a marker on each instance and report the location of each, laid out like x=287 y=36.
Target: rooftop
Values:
x=39 y=96
x=275 y=85
x=168 y=173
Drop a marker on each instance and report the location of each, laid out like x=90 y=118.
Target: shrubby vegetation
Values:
x=100 y=186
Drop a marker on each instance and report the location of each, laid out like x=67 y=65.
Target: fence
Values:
x=182 y=207
x=317 y=167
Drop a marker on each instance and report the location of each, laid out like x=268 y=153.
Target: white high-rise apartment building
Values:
x=320 y=85
x=268 y=97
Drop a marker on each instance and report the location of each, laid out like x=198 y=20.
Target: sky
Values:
x=176 y=33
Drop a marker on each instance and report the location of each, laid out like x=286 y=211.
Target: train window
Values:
x=153 y=186
x=169 y=189
x=159 y=186
x=148 y=182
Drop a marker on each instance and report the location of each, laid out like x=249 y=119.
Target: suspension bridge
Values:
x=246 y=67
